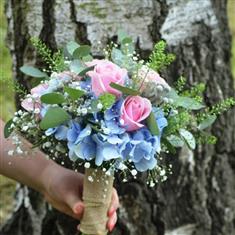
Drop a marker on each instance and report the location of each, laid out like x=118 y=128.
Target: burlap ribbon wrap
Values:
x=97 y=193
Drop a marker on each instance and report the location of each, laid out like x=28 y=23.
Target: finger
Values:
x=111 y=222
x=114 y=203
x=75 y=204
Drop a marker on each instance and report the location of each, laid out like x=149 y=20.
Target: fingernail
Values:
x=111 y=227
x=111 y=211
x=78 y=209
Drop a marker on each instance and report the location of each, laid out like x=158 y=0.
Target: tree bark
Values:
x=199 y=198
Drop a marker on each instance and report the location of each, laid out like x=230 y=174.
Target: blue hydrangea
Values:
x=143 y=146
x=59 y=132
x=112 y=119
x=108 y=147
x=80 y=143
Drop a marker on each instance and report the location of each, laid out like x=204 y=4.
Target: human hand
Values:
x=63 y=189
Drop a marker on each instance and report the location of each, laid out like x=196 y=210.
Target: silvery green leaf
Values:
x=71 y=47
x=175 y=140
x=33 y=72
x=207 y=122
x=76 y=66
x=188 y=103
x=188 y=137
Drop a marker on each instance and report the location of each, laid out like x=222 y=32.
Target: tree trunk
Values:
x=199 y=198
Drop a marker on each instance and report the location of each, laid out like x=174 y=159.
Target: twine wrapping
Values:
x=97 y=193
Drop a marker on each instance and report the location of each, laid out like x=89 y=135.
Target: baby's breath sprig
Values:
x=55 y=61
x=180 y=84
x=195 y=92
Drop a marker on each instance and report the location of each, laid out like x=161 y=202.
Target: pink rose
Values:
x=134 y=110
x=104 y=73
x=30 y=104
x=150 y=75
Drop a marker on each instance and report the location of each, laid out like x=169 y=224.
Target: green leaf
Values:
x=74 y=93
x=94 y=108
x=207 y=122
x=52 y=98
x=71 y=47
x=76 y=66
x=54 y=117
x=33 y=72
x=152 y=124
x=123 y=89
x=188 y=103
x=107 y=100
x=81 y=51
x=87 y=58
x=127 y=40
x=175 y=140
x=188 y=137
x=121 y=35
x=7 y=129
x=84 y=71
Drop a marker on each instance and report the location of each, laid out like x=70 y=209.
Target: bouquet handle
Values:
x=97 y=193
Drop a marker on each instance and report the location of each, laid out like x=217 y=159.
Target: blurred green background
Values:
x=7 y=97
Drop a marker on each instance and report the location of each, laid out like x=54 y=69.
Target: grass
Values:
x=7 y=98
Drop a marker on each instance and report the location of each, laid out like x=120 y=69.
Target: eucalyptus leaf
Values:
x=7 y=129
x=121 y=35
x=124 y=90
x=127 y=40
x=71 y=47
x=152 y=124
x=84 y=71
x=81 y=51
x=76 y=66
x=188 y=137
x=54 y=117
x=175 y=140
x=188 y=103
x=33 y=72
x=207 y=122
x=52 y=98
x=74 y=93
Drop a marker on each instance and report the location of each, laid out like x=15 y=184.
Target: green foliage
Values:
x=180 y=84
x=74 y=93
x=159 y=59
x=216 y=109
x=124 y=90
x=81 y=52
x=196 y=92
x=52 y=98
x=54 y=117
x=152 y=124
x=7 y=128
x=33 y=72
x=107 y=100
x=55 y=61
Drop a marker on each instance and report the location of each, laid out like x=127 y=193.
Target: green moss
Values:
x=94 y=9
x=6 y=81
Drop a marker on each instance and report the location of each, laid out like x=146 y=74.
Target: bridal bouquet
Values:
x=115 y=114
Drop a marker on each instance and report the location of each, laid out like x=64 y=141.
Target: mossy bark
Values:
x=200 y=196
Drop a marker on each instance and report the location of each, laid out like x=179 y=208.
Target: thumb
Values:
x=75 y=203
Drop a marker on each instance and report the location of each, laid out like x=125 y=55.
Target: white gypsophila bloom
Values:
x=24 y=128
x=37 y=111
x=122 y=166
x=121 y=121
x=47 y=144
x=19 y=150
x=162 y=172
x=152 y=184
x=84 y=111
x=10 y=152
x=12 y=126
x=20 y=112
x=87 y=165
x=15 y=119
x=134 y=172
x=90 y=178
x=108 y=173
x=99 y=106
